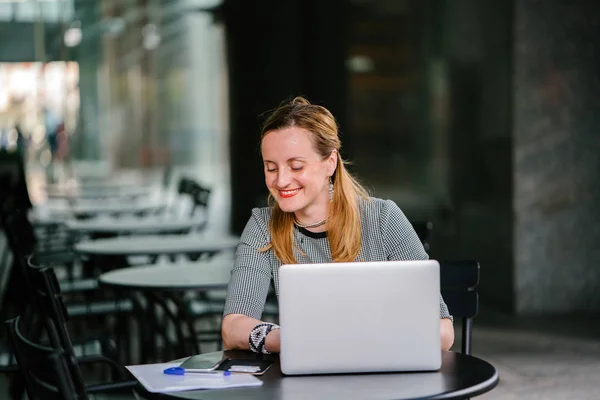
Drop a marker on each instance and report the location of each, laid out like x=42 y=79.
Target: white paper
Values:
x=153 y=378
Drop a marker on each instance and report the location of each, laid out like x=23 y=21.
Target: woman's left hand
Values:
x=446 y=333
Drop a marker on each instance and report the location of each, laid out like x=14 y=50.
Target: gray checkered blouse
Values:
x=386 y=235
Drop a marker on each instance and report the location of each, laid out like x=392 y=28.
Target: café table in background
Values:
x=112 y=253
x=167 y=291
x=98 y=227
x=76 y=194
x=192 y=245
x=102 y=208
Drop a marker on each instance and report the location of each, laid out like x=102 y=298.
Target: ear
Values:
x=332 y=162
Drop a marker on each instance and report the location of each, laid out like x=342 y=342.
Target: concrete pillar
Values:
x=557 y=156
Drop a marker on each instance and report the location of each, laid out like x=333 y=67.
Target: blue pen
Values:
x=182 y=371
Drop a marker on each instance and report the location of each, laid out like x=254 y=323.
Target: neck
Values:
x=306 y=225
x=314 y=213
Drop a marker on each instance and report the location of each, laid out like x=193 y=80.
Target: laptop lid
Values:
x=359 y=317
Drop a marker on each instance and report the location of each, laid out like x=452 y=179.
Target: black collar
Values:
x=314 y=235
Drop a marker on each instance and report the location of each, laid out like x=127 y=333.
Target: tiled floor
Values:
x=540 y=366
x=541 y=357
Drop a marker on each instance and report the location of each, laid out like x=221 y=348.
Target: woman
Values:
x=318 y=213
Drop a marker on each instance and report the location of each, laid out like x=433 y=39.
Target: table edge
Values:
x=206 y=287
x=473 y=391
x=125 y=252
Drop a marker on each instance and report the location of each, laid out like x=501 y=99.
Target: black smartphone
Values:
x=254 y=367
x=203 y=362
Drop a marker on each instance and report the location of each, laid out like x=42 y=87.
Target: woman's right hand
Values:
x=235 y=331
x=273 y=341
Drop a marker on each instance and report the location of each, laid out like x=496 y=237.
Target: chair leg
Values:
x=467 y=324
x=16 y=388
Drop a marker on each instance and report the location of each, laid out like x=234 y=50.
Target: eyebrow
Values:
x=288 y=160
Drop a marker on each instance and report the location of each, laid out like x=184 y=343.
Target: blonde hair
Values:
x=344 y=233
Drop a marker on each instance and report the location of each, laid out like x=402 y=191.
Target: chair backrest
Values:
x=22 y=237
x=458 y=280
x=21 y=242
x=46 y=292
x=6 y=263
x=185 y=186
x=19 y=231
x=200 y=196
x=13 y=180
x=44 y=369
x=423 y=230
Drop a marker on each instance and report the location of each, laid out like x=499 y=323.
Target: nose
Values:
x=283 y=178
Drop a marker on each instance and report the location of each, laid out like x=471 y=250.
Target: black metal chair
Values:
x=185 y=186
x=459 y=280
x=200 y=196
x=12 y=178
x=46 y=293
x=7 y=361
x=192 y=197
x=43 y=369
x=22 y=242
x=17 y=226
x=27 y=305
x=6 y=262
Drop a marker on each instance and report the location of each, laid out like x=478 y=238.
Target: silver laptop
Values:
x=359 y=317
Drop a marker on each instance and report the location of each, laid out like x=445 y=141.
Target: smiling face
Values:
x=296 y=175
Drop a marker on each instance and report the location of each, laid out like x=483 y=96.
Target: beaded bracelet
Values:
x=258 y=335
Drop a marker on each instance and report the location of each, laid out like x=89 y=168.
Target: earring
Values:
x=330 y=190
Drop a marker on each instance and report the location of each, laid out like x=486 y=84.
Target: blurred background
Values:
x=479 y=117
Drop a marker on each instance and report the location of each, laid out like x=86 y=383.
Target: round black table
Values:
x=100 y=185
x=158 y=245
x=112 y=253
x=120 y=226
x=461 y=376
x=75 y=194
x=97 y=207
x=163 y=288
x=199 y=276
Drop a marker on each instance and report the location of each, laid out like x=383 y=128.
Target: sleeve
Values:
x=251 y=273
x=401 y=242
x=399 y=237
